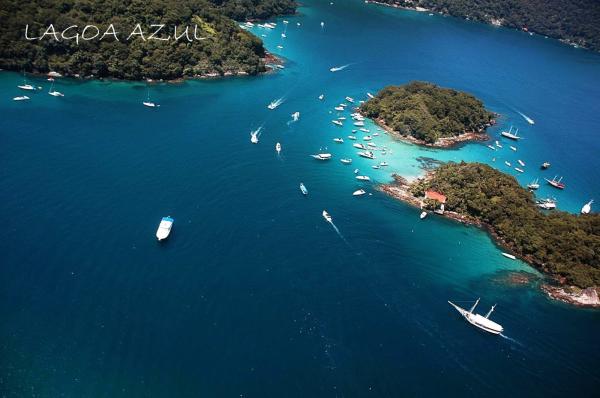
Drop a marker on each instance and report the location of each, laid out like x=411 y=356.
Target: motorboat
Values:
x=481 y=322
x=359 y=146
x=423 y=215
x=352 y=137
x=274 y=104
x=327 y=217
x=359 y=192
x=21 y=98
x=519 y=170
x=507 y=163
x=491 y=147
x=383 y=164
x=522 y=163
x=278 y=147
x=498 y=144
x=364 y=130
x=376 y=166
x=321 y=97
x=508 y=255
x=366 y=154
x=350 y=99
x=322 y=156
x=164 y=228
x=363 y=178
x=338 y=140
x=337 y=122
x=339 y=108
x=254 y=135
x=587 y=207
x=367 y=138
x=513 y=148
x=54 y=93
x=370 y=95
x=545 y=165
x=346 y=161
x=303 y=189
x=359 y=123
x=295 y=116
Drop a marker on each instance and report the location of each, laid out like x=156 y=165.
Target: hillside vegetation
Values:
x=574 y=21
x=227 y=48
x=562 y=244
x=427 y=112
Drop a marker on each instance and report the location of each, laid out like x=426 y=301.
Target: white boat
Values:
x=283 y=36
x=359 y=146
x=367 y=138
x=346 y=161
x=337 y=122
x=587 y=207
x=322 y=156
x=513 y=148
x=482 y=322
x=509 y=134
x=359 y=123
x=164 y=228
x=54 y=93
x=274 y=104
x=375 y=134
x=522 y=163
x=303 y=189
x=327 y=217
x=352 y=137
x=321 y=97
x=423 y=215
x=356 y=171
x=507 y=255
x=491 y=147
x=366 y=154
x=383 y=164
x=546 y=204
x=359 y=192
x=339 y=108
x=363 y=178
x=21 y=98
x=26 y=87
x=338 y=140
x=498 y=144
x=295 y=116
x=370 y=95
x=376 y=166
x=254 y=135
x=278 y=147
x=54 y=74
x=507 y=163
x=533 y=184
x=350 y=99
x=323 y=24
x=519 y=170
x=364 y=130
x=342 y=118
x=527 y=118
x=149 y=103
x=337 y=68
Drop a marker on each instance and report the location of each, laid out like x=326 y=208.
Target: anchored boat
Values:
x=482 y=322
x=164 y=228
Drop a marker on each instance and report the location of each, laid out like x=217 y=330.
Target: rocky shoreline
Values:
x=400 y=190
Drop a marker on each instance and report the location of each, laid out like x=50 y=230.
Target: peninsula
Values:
x=575 y=22
x=426 y=114
x=135 y=39
x=562 y=245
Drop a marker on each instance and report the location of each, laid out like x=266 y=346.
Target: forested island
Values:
x=571 y=21
x=429 y=115
x=223 y=48
x=563 y=245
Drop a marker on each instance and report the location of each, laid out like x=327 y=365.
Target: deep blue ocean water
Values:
x=254 y=295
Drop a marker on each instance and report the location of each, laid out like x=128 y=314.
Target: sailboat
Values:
x=533 y=184
x=26 y=86
x=556 y=183
x=54 y=93
x=482 y=322
x=587 y=207
x=510 y=134
x=149 y=103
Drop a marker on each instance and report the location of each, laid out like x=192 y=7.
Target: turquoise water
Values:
x=254 y=294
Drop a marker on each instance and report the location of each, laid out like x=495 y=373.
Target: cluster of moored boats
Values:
x=26 y=86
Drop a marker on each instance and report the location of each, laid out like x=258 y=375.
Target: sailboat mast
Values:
x=474 y=305
x=490 y=311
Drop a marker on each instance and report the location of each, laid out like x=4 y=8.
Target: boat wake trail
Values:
x=510 y=339
x=336 y=229
x=339 y=68
x=527 y=118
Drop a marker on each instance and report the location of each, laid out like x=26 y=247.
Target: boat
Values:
x=341 y=118
x=278 y=147
x=522 y=163
x=254 y=135
x=321 y=97
x=363 y=178
x=508 y=255
x=383 y=164
x=507 y=163
x=587 y=207
x=509 y=134
x=519 y=170
x=322 y=25
x=274 y=104
x=350 y=99
x=336 y=68
x=164 y=228
x=338 y=140
x=423 y=215
x=339 y=108
x=364 y=130
x=54 y=93
x=359 y=192
x=360 y=123
x=546 y=204
x=21 y=98
x=376 y=166
x=498 y=144
x=375 y=134
x=322 y=156
x=366 y=154
x=533 y=184
x=283 y=36
x=149 y=103
x=295 y=116
x=491 y=147
x=26 y=87
x=367 y=138
x=545 y=165
x=352 y=137
x=370 y=95
x=303 y=189
x=482 y=322
x=356 y=171
x=359 y=146
x=556 y=183
x=513 y=148
x=346 y=161
x=337 y=122
x=527 y=118
x=280 y=47
x=327 y=217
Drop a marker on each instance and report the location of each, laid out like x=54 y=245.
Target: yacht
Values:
x=370 y=95
x=514 y=148
x=322 y=156
x=359 y=146
x=522 y=163
x=350 y=99
x=533 y=184
x=556 y=183
x=367 y=138
x=303 y=189
x=337 y=122
x=346 y=161
x=283 y=36
x=164 y=228
x=359 y=192
x=587 y=207
x=509 y=134
x=338 y=140
x=376 y=166
x=366 y=154
x=327 y=217
x=360 y=123
x=482 y=322
x=339 y=108
x=507 y=163
x=519 y=170
x=546 y=204
x=363 y=178
x=21 y=98
x=352 y=137
x=375 y=134
x=507 y=255
x=423 y=215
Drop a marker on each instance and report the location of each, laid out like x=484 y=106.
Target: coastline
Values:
x=400 y=190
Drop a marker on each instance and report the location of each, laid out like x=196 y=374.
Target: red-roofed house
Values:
x=435 y=196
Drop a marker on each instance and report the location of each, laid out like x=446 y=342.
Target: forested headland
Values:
x=224 y=47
